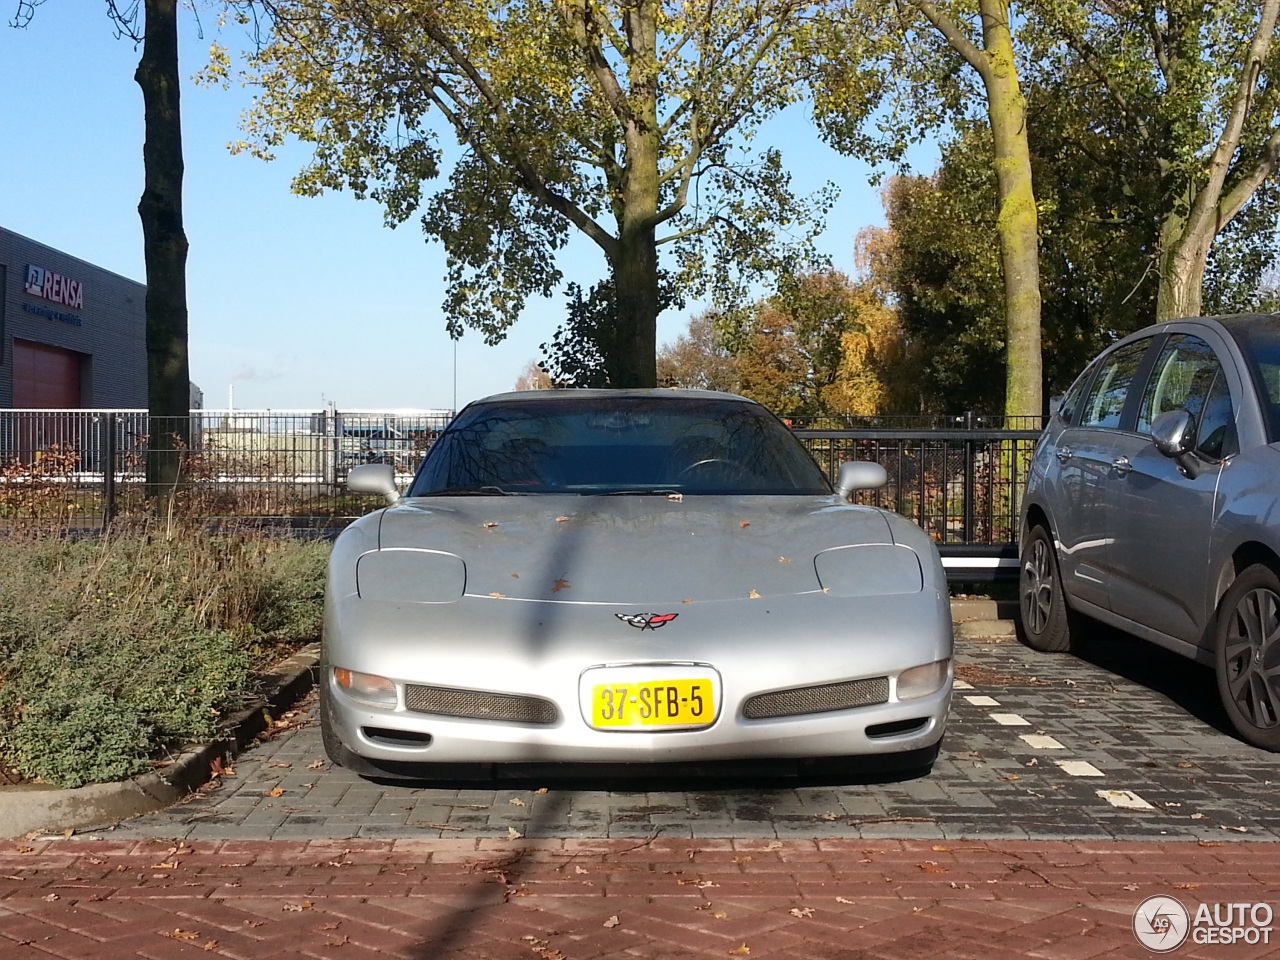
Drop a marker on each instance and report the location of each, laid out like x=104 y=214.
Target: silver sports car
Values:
x=629 y=577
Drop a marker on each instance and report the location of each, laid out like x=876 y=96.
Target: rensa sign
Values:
x=55 y=287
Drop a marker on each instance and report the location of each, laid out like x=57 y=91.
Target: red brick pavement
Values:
x=586 y=899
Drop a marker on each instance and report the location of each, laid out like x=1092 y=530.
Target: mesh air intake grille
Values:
x=799 y=701
x=479 y=705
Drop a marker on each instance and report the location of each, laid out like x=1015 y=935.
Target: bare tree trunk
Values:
x=1017 y=222
x=165 y=248
x=635 y=258
x=1183 y=256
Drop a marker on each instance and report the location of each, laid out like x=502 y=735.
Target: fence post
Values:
x=969 y=484
x=109 y=471
x=331 y=448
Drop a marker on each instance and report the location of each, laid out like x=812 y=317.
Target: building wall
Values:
x=107 y=325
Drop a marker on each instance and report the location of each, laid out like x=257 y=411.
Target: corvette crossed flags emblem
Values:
x=646 y=621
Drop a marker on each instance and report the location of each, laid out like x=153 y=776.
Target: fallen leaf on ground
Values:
x=513 y=833
x=612 y=922
x=930 y=867
x=183 y=935
x=517 y=802
x=297 y=907
x=741 y=951
x=804 y=912
x=274 y=792
x=844 y=900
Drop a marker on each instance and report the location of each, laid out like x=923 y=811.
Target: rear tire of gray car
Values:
x=1045 y=621
x=1247 y=655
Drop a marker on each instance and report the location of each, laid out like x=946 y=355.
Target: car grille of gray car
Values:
x=799 y=701
x=479 y=705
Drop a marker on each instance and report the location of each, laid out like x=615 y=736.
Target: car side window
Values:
x=1070 y=403
x=1180 y=380
x=1217 y=436
x=1104 y=404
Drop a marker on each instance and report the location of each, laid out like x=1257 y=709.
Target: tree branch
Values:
x=954 y=36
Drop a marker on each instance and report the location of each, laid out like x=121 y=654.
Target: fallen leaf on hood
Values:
x=742 y=525
x=784 y=559
x=563 y=519
x=561 y=584
x=753 y=595
x=687 y=600
x=498 y=596
x=490 y=526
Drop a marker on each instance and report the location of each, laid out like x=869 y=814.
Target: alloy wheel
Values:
x=1037 y=586
x=1251 y=658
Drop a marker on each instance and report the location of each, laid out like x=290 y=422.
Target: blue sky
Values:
x=293 y=301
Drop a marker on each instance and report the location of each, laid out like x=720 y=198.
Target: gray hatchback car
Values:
x=1153 y=505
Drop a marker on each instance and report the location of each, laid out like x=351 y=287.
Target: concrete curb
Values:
x=45 y=809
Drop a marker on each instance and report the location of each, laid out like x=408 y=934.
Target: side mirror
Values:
x=378 y=478
x=860 y=475
x=1174 y=434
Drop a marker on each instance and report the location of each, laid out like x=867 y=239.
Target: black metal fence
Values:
x=961 y=478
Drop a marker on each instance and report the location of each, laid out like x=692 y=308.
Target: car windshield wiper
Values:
x=485 y=491
x=645 y=492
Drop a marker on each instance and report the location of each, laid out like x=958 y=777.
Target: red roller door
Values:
x=45 y=377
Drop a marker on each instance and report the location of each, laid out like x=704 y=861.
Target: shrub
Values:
x=116 y=649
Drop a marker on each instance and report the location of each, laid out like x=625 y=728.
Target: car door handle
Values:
x=1122 y=466
x=1063 y=454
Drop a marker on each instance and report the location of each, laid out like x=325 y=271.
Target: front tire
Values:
x=1247 y=655
x=1045 y=621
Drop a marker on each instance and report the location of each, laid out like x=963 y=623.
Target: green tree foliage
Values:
x=626 y=120
x=1191 y=88
x=1096 y=265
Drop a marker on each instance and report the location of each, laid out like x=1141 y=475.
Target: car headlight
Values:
x=869 y=570
x=366 y=686
x=922 y=681
x=410 y=575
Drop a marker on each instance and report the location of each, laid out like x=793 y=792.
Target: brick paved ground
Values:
x=825 y=899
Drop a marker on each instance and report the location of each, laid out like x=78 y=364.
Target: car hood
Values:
x=633 y=549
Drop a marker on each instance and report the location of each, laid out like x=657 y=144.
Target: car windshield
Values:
x=625 y=444
x=1260 y=339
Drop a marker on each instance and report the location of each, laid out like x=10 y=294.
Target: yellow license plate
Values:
x=657 y=703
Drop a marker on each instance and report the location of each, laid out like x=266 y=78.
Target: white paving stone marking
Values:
x=983 y=701
x=961 y=685
x=1009 y=720
x=1041 y=742
x=1079 y=768
x=1125 y=799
